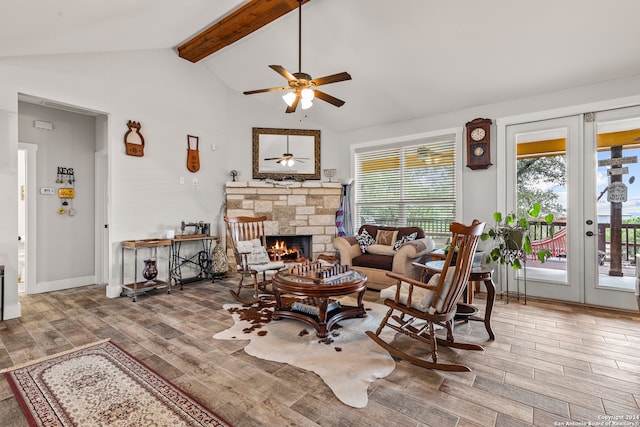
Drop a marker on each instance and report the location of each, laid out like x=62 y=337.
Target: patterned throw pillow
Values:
x=386 y=237
x=365 y=240
x=256 y=253
x=405 y=239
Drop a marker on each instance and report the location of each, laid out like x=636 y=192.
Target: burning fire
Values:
x=280 y=250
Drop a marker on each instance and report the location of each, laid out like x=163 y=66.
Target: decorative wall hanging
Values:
x=66 y=192
x=133 y=140
x=193 y=156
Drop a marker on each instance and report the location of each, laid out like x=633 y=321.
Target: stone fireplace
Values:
x=292 y=209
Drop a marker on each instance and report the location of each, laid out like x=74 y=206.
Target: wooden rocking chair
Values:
x=248 y=240
x=421 y=305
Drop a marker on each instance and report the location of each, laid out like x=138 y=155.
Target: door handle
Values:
x=589 y=233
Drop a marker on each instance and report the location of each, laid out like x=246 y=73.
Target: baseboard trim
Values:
x=58 y=285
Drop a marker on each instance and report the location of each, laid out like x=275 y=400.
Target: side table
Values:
x=478 y=274
x=135 y=245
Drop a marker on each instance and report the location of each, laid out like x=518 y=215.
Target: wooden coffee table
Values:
x=318 y=300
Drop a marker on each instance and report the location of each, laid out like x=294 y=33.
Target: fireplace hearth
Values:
x=289 y=247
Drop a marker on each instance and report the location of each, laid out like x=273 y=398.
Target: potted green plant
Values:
x=510 y=235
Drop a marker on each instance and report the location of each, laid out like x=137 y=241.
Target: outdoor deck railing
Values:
x=538 y=230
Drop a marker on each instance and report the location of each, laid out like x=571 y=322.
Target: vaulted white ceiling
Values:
x=408 y=58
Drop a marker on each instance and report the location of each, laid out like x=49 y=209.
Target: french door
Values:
x=613 y=201
x=581 y=168
x=544 y=163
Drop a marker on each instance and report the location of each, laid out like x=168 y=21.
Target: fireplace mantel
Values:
x=294 y=208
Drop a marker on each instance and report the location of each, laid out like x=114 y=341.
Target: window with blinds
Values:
x=412 y=183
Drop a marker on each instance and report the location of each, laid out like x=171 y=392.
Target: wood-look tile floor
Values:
x=550 y=363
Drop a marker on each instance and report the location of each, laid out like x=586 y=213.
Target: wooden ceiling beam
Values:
x=240 y=23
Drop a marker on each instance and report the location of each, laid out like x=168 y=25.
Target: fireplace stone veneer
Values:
x=291 y=208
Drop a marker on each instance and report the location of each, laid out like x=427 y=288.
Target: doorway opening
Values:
x=70 y=247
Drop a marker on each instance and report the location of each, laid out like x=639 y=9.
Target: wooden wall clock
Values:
x=478 y=143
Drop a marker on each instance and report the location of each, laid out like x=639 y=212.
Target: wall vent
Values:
x=39 y=124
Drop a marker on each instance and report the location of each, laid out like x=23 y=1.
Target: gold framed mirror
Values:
x=286 y=153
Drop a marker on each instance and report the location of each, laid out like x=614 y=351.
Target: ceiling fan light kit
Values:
x=302 y=85
x=289 y=97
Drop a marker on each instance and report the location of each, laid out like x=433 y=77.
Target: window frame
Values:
x=454 y=134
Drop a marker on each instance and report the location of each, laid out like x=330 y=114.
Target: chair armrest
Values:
x=416 y=248
x=409 y=252
x=348 y=248
x=412 y=282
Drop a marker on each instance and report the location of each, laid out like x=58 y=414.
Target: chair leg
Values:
x=450 y=342
x=432 y=340
x=259 y=288
x=241 y=285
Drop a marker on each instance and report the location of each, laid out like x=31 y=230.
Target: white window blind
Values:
x=408 y=184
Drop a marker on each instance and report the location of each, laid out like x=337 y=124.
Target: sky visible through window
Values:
x=630 y=208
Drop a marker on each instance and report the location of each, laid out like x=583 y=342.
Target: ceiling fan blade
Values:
x=273 y=158
x=271 y=89
x=333 y=78
x=283 y=72
x=294 y=105
x=328 y=98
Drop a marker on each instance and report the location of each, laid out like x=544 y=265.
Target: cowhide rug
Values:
x=347 y=360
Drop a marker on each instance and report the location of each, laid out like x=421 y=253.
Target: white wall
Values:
x=171 y=98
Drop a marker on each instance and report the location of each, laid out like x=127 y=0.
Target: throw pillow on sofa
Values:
x=404 y=239
x=386 y=237
x=365 y=240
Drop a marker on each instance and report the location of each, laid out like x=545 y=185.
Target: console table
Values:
x=483 y=274
x=201 y=259
x=135 y=286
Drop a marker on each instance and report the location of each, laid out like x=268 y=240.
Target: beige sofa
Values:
x=379 y=258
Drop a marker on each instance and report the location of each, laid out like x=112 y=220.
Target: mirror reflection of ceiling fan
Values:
x=302 y=84
x=287 y=158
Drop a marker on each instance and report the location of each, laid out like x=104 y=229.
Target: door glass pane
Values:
x=618 y=202
x=542 y=178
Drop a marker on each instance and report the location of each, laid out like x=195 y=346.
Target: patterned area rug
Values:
x=347 y=360
x=100 y=384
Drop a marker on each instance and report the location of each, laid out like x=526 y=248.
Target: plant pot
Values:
x=514 y=239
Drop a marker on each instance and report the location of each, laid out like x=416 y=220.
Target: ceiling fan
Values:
x=287 y=158
x=302 y=84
